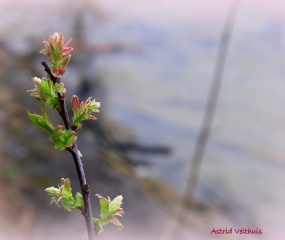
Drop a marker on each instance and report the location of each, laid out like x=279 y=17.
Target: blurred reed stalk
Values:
x=204 y=133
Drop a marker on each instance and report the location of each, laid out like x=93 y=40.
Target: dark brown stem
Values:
x=85 y=189
x=87 y=212
x=47 y=69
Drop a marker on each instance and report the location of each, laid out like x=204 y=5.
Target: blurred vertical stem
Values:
x=85 y=189
x=204 y=133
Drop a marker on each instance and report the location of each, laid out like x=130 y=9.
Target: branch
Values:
x=85 y=189
x=47 y=69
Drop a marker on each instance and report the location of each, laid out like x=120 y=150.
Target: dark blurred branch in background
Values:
x=204 y=133
x=135 y=147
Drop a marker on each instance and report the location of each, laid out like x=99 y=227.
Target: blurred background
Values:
x=150 y=64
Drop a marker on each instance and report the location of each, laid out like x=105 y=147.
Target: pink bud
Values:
x=75 y=103
x=58 y=52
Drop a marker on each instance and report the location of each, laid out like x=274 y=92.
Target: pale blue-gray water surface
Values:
x=161 y=95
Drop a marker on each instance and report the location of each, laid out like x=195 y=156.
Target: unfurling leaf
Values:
x=62 y=138
x=46 y=91
x=109 y=211
x=63 y=195
x=58 y=53
x=115 y=206
x=59 y=87
x=41 y=122
x=83 y=111
x=78 y=200
x=116 y=222
x=98 y=226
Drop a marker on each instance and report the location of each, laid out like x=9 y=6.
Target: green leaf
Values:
x=104 y=207
x=67 y=200
x=53 y=53
x=52 y=191
x=41 y=122
x=83 y=111
x=79 y=200
x=63 y=138
x=59 y=87
x=115 y=205
x=67 y=204
x=98 y=226
x=45 y=90
x=63 y=195
x=45 y=115
x=66 y=187
x=109 y=209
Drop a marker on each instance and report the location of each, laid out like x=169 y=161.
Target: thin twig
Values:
x=85 y=189
x=47 y=69
x=204 y=133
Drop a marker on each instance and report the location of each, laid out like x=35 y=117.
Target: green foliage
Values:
x=51 y=91
x=109 y=211
x=46 y=91
x=82 y=111
x=58 y=53
x=62 y=138
x=43 y=121
x=78 y=200
x=59 y=87
x=63 y=195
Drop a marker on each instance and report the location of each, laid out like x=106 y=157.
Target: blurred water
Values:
x=161 y=96
x=159 y=93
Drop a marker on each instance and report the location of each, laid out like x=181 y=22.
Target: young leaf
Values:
x=62 y=138
x=41 y=122
x=58 y=53
x=116 y=222
x=104 y=207
x=98 y=226
x=115 y=206
x=66 y=187
x=109 y=211
x=82 y=111
x=79 y=200
x=59 y=87
x=45 y=90
x=63 y=195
